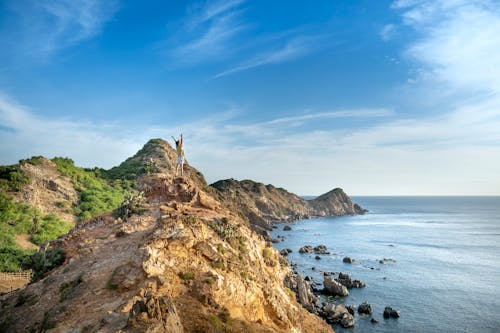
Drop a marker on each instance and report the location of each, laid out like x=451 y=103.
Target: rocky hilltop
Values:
x=173 y=257
x=263 y=204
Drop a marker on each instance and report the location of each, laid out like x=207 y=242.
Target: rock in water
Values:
x=347 y=320
x=306 y=249
x=390 y=312
x=338 y=314
x=365 y=308
x=348 y=260
x=334 y=288
x=287 y=228
x=320 y=249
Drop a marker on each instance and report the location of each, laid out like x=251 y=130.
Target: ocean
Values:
x=446 y=274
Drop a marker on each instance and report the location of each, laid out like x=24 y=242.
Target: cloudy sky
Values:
x=377 y=97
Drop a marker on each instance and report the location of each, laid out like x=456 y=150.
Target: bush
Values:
x=50 y=228
x=223 y=228
x=133 y=204
x=44 y=261
x=19 y=218
x=186 y=276
x=12 y=178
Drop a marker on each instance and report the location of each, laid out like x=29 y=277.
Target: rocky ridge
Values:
x=263 y=204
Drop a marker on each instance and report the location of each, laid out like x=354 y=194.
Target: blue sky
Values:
x=377 y=97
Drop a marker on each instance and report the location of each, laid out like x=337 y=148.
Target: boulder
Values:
x=365 y=308
x=390 y=312
x=338 y=314
x=334 y=288
x=317 y=257
x=347 y=320
x=207 y=251
x=287 y=228
x=374 y=321
x=350 y=308
x=345 y=279
x=348 y=260
x=320 y=249
x=285 y=252
x=306 y=249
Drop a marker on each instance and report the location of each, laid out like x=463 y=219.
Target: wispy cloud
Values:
x=41 y=28
x=207 y=31
x=459 y=43
x=292 y=49
x=388 y=32
x=219 y=32
x=353 y=113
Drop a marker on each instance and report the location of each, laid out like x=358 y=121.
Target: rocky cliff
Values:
x=181 y=260
x=263 y=204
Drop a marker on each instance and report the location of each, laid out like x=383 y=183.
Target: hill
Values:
x=263 y=204
x=173 y=259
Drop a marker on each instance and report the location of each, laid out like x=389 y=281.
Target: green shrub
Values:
x=12 y=178
x=186 y=276
x=34 y=160
x=44 y=261
x=50 y=228
x=19 y=218
x=267 y=253
x=223 y=228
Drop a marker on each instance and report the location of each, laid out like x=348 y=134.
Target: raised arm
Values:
x=181 y=139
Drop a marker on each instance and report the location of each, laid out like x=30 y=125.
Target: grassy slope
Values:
x=97 y=190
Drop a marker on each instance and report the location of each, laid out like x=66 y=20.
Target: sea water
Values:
x=446 y=274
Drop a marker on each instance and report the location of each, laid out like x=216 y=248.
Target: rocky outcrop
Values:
x=365 y=308
x=303 y=291
x=263 y=204
x=334 y=203
x=348 y=282
x=333 y=287
x=185 y=264
x=390 y=312
x=338 y=314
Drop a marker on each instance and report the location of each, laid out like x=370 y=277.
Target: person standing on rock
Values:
x=180 y=156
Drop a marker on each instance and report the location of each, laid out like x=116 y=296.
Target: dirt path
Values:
x=23 y=240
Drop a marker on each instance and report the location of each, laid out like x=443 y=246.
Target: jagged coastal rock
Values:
x=184 y=262
x=334 y=287
x=263 y=204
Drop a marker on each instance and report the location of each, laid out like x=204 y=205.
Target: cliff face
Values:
x=182 y=262
x=262 y=204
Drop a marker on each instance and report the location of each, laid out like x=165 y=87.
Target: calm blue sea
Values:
x=446 y=277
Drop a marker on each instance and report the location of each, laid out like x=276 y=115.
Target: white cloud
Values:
x=207 y=32
x=292 y=49
x=387 y=32
x=25 y=134
x=41 y=28
x=460 y=43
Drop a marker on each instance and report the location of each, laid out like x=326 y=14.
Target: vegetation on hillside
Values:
x=12 y=178
x=137 y=165
x=97 y=195
x=18 y=218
